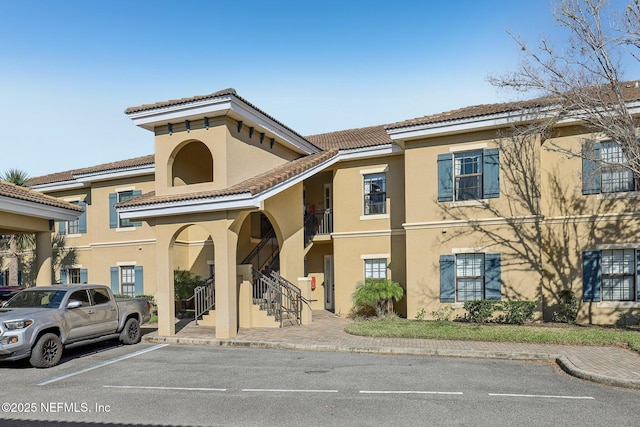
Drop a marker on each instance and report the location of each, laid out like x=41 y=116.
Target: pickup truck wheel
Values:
x=47 y=351
x=131 y=333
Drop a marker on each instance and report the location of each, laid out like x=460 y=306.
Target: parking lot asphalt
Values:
x=605 y=365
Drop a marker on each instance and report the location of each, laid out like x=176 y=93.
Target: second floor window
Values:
x=615 y=177
x=604 y=169
x=115 y=221
x=469 y=175
x=375 y=193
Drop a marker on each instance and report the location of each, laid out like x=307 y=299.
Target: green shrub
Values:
x=378 y=294
x=184 y=283
x=420 y=315
x=443 y=314
x=480 y=311
x=517 y=312
x=567 y=307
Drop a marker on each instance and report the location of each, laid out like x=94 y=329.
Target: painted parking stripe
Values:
x=409 y=392
x=279 y=390
x=165 y=388
x=100 y=365
x=542 y=396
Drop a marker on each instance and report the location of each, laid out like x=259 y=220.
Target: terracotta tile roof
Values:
x=630 y=91
x=253 y=186
x=218 y=94
x=21 y=193
x=105 y=167
x=351 y=138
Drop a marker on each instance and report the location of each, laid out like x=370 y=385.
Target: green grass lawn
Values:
x=561 y=334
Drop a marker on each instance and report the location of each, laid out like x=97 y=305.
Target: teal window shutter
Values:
x=445 y=177
x=591 y=276
x=84 y=275
x=492 y=277
x=19 y=277
x=113 y=215
x=139 y=278
x=82 y=220
x=447 y=278
x=62 y=227
x=63 y=276
x=491 y=173
x=591 y=176
x=137 y=193
x=115 y=279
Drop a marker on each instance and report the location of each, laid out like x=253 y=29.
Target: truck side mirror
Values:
x=74 y=304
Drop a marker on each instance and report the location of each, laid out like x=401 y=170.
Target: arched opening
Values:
x=258 y=244
x=192 y=164
x=192 y=259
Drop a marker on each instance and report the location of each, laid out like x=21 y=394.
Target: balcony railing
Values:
x=318 y=222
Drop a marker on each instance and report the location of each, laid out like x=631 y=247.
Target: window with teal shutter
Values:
x=62 y=227
x=447 y=278
x=591 y=279
x=468 y=277
x=139 y=280
x=115 y=279
x=469 y=175
x=114 y=219
x=82 y=220
x=445 y=177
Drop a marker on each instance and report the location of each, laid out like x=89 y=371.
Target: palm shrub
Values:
x=378 y=294
x=184 y=284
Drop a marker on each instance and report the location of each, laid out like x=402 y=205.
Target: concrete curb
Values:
x=561 y=360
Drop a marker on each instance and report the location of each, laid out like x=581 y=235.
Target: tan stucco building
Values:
x=451 y=206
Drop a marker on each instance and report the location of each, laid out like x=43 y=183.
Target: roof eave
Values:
x=244 y=200
x=225 y=105
x=37 y=210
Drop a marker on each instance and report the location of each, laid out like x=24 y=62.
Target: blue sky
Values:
x=68 y=69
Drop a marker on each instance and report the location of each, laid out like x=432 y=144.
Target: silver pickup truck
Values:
x=39 y=322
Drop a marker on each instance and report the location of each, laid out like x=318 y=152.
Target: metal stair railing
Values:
x=279 y=297
x=254 y=252
x=205 y=297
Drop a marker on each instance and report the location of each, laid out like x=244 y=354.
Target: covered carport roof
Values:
x=18 y=203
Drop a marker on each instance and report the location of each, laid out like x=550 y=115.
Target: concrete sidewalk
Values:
x=607 y=365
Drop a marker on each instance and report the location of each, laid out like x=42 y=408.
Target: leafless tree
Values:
x=583 y=78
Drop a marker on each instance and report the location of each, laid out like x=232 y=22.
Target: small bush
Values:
x=443 y=314
x=480 y=311
x=567 y=307
x=517 y=312
x=420 y=315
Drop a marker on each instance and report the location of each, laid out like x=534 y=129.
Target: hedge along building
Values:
x=23 y=211
x=450 y=205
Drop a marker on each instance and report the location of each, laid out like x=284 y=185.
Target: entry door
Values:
x=328 y=196
x=329 y=291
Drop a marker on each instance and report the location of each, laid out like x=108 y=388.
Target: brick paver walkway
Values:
x=608 y=365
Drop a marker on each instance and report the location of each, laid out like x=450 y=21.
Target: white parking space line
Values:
x=165 y=388
x=278 y=390
x=542 y=396
x=409 y=392
x=100 y=365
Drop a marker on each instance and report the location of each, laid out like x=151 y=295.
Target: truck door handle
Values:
x=90 y=312
x=112 y=309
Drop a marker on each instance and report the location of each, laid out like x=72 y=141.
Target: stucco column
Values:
x=44 y=253
x=165 y=293
x=304 y=283
x=225 y=242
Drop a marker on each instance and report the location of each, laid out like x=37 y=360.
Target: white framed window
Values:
x=615 y=178
x=469 y=277
x=375 y=193
x=375 y=268
x=619 y=275
x=468 y=175
x=127 y=280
